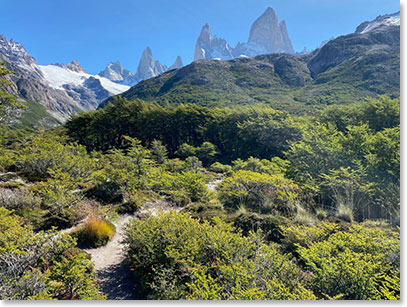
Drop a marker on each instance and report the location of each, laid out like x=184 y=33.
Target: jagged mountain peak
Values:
x=266 y=32
x=177 y=64
x=147 y=52
x=74 y=66
x=267 y=35
x=205 y=35
x=269 y=13
x=148 y=67
x=115 y=72
x=208 y=47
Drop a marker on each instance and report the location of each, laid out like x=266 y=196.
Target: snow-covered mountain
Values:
x=63 y=89
x=267 y=35
x=385 y=20
x=85 y=89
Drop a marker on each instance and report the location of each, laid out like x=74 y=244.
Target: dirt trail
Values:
x=113 y=275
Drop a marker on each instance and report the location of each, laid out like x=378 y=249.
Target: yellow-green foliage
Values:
x=362 y=262
x=40 y=265
x=183 y=187
x=177 y=257
x=258 y=191
x=95 y=232
x=48 y=152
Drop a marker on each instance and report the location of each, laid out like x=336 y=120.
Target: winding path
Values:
x=114 y=277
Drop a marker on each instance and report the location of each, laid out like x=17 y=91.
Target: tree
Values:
x=159 y=152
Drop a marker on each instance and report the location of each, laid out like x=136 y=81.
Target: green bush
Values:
x=358 y=263
x=269 y=224
x=206 y=211
x=177 y=257
x=47 y=152
x=258 y=192
x=183 y=187
x=42 y=265
x=218 y=167
x=59 y=196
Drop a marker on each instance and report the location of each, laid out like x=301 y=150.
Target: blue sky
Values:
x=96 y=32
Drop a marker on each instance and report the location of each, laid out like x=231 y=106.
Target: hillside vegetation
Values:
x=303 y=207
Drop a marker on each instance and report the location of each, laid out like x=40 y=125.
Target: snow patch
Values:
x=58 y=76
x=391 y=20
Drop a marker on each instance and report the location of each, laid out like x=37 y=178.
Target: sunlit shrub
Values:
x=260 y=192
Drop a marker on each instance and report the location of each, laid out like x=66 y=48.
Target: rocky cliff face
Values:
x=74 y=66
x=148 y=67
x=380 y=21
x=208 y=47
x=267 y=35
x=266 y=32
x=378 y=40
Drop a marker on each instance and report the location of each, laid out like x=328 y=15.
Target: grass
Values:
x=95 y=232
x=345 y=213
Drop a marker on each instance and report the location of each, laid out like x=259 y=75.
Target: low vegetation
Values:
x=273 y=206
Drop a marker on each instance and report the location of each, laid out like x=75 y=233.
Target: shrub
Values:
x=206 y=211
x=359 y=263
x=260 y=192
x=177 y=257
x=42 y=265
x=218 y=167
x=18 y=199
x=271 y=167
x=59 y=197
x=269 y=224
x=95 y=232
x=184 y=187
x=47 y=152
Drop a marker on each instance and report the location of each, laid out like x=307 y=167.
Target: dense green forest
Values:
x=268 y=205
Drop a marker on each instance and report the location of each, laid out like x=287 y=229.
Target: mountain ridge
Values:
x=346 y=68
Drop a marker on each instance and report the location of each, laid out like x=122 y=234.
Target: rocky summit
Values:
x=74 y=66
x=208 y=47
x=116 y=73
x=267 y=32
x=267 y=35
x=177 y=64
x=147 y=68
